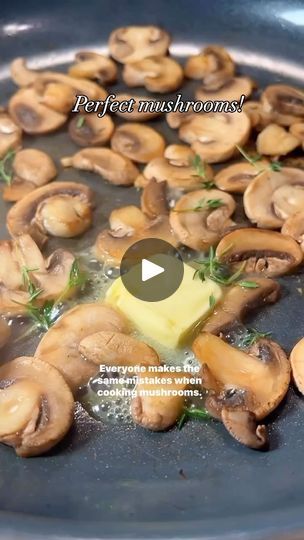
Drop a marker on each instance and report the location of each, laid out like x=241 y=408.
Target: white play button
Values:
x=150 y=270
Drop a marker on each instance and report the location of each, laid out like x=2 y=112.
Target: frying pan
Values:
x=119 y=481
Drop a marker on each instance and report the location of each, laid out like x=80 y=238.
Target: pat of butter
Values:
x=168 y=321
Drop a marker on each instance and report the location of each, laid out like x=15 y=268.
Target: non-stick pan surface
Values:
x=109 y=481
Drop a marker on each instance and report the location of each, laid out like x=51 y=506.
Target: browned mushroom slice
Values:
x=261 y=251
x=236 y=177
x=91 y=65
x=198 y=222
x=242 y=425
x=131 y=44
x=177 y=169
x=135 y=115
x=91 y=130
x=238 y=301
x=137 y=142
x=10 y=134
x=284 y=103
x=176 y=119
x=274 y=140
x=60 y=345
x=158 y=412
x=297 y=130
x=117 y=349
x=213 y=65
x=114 y=167
x=214 y=136
x=31 y=169
x=27 y=110
x=274 y=196
x=5 y=332
x=158 y=74
x=231 y=90
x=154 y=199
x=59 y=209
x=36 y=406
x=297 y=365
x=261 y=375
x=259 y=118
x=294 y=227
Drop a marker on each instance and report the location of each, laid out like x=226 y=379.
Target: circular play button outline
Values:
x=152 y=270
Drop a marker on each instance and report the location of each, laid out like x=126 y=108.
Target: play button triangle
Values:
x=149 y=270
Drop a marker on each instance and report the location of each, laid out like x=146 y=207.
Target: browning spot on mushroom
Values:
x=10 y=134
x=260 y=251
x=285 y=103
x=60 y=209
x=91 y=130
x=5 y=332
x=91 y=65
x=135 y=115
x=297 y=365
x=274 y=140
x=31 y=169
x=236 y=177
x=137 y=142
x=294 y=227
x=112 y=166
x=154 y=199
x=231 y=90
x=214 y=136
x=36 y=406
x=272 y=197
x=196 y=223
x=158 y=74
x=213 y=65
x=60 y=345
x=131 y=44
x=243 y=427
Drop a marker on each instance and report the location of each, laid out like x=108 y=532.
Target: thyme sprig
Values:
x=6 y=173
x=275 y=166
x=251 y=336
x=203 y=204
x=200 y=168
x=193 y=413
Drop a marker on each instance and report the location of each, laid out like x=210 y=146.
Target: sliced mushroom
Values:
x=158 y=412
x=60 y=345
x=31 y=169
x=117 y=349
x=5 y=332
x=297 y=130
x=154 y=199
x=213 y=65
x=274 y=140
x=231 y=90
x=294 y=227
x=238 y=301
x=131 y=44
x=36 y=406
x=91 y=65
x=135 y=115
x=272 y=197
x=176 y=168
x=260 y=376
x=297 y=365
x=196 y=224
x=91 y=130
x=61 y=209
x=259 y=118
x=214 y=136
x=10 y=134
x=260 y=251
x=114 y=167
x=158 y=74
x=243 y=427
x=284 y=103
x=236 y=177
x=137 y=142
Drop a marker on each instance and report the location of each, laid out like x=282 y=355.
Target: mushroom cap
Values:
x=30 y=114
x=60 y=345
x=294 y=227
x=214 y=136
x=112 y=166
x=259 y=118
x=138 y=142
x=159 y=74
x=93 y=131
x=10 y=134
x=230 y=90
x=262 y=374
x=260 y=251
x=285 y=103
x=135 y=115
x=131 y=44
x=275 y=140
x=33 y=213
x=238 y=301
x=36 y=406
x=201 y=228
x=242 y=426
x=235 y=178
x=272 y=197
x=213 y=65
x=92 y=65
x=297 y=365
x=297 y=130
x=31 y=169
x=154 y=199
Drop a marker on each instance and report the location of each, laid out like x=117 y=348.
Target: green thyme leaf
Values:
x=208 y=184
x=80 y=122
x=203 y=204
x=212 y=301
x=251 y=336
x=6 y=173
x=193 y=413
x=275 y=166
x=251 y=159
x=248 y=284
